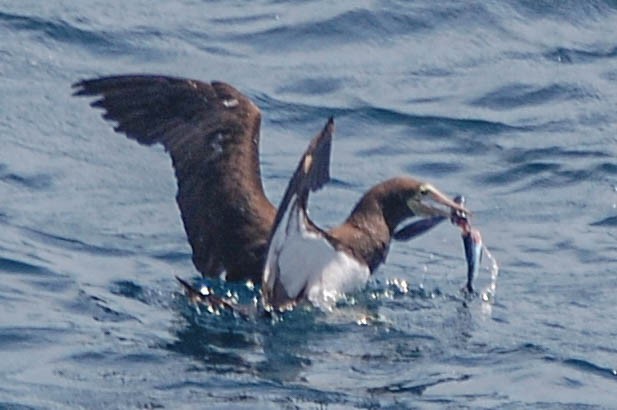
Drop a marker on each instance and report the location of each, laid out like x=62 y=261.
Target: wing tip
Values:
x=87 y=87
x=191 y=292
x=79 y=88
x=330 y=125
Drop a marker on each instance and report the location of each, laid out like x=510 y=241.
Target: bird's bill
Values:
x=431 y=202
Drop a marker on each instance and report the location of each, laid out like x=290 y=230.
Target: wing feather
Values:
x=312 y=172
x=211 y=131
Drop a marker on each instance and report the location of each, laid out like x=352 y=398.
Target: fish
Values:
x=472 y=244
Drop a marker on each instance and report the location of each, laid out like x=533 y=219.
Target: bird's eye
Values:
x=423 y=190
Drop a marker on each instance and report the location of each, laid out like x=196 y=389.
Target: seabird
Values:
x=305 y=262
x=211 y=131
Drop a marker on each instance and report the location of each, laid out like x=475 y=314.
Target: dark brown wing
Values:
x=212 y=134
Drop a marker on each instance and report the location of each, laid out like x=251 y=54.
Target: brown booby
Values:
x=305 y=262
x=211 y=131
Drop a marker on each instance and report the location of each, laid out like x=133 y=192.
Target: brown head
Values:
x=368 y=230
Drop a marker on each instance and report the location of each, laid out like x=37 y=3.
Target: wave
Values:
x=34 y=182
x=56 y=29
x=525 y=95
x=91 y=40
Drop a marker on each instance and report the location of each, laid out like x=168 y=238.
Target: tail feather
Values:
x=216 y=302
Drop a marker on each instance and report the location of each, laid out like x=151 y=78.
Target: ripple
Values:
x=586 y=367
x=353 y=26
x=313 y=86
x=216 y=342
x=74 y=244
x=417 y=389
x=425 y=127
x=519 y=155
x=549 y=167
x=515 y=174
x=606 y=168
x=14 y=406
x=428 y=127
x=172 y=256
x=243 y=20
x=98 y=358
x=204 y=41
x=573 y=56
x=96 y=308
x=21 y=267
x=34 y=182
x=435 y=126
x=59 y=30
x=127 y=289
x=569 y=10
x=610 y=221
x=90 y=40
x=524 y=95
x=23 y=337
x=435 y=168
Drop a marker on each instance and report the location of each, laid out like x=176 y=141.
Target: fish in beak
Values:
x=431 y=205
x=472 y=243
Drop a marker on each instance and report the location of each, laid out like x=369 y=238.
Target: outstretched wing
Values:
x=312 y=173
x=211 y=131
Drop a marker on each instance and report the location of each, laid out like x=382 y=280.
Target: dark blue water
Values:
x=513 y=104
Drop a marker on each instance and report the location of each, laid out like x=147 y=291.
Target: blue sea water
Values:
x=511 y=103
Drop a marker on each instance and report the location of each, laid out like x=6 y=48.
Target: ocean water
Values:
x=510 y=103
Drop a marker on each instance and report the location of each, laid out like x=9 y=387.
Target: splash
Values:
x=488 y=293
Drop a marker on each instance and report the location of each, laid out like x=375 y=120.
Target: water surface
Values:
x=510 y=103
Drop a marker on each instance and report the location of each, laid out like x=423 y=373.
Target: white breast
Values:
x=307 y=266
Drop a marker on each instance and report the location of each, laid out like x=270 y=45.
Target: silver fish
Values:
x=472 y=243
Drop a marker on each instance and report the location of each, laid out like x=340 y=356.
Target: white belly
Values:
x=309 y=263
x=308 y=266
